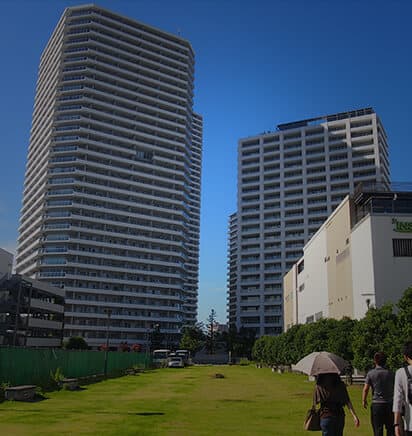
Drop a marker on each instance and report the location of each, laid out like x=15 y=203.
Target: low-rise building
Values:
x=31 y=313
x=360 y=257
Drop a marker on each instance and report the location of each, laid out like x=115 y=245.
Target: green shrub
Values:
x=56 y=379
x=76 y=343
x=3 y=387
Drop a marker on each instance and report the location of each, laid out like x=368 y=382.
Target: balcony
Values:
x=45 y=324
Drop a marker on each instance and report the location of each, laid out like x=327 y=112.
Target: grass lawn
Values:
x=190 y=401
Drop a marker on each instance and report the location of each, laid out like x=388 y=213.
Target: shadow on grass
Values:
x=147 y=413
x=79 y=388
x=97 y=412
x=36 y=399
x=228 y=400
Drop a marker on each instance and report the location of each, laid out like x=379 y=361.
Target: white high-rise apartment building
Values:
x=232 y=269
x=289 y=182
x=112 y=187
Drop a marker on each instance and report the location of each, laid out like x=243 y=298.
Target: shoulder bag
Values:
x=312 y=421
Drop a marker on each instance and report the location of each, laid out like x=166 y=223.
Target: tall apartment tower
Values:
x=111 y=197
x=289 y=182
x=232 y=269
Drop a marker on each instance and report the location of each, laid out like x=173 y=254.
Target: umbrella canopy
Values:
x=321 y=362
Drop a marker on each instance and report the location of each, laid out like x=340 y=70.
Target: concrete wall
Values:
x=313 y=298
x=289 y=298
x=339 y=263
x=363 y=279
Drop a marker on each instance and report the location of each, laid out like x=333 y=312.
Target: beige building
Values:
x=360 y=257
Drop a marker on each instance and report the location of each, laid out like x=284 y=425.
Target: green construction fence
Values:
x=19 y=366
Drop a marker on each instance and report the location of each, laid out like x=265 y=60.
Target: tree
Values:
x=193 y=338
x=156 y=338
x=124 y=347
x=356 y=341
x=317 y=335
x=210 y=339
x=136 y=348
x=258 y=350
x=377 y=331
x=291 y=346
x=405 y=316
x=298 y=341
x=76 y=343
x=340 y=338
x=243 y=342
x=229 y=338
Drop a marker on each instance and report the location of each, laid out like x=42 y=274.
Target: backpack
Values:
x=408 y=374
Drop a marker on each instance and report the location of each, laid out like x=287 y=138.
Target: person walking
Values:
x=381 y=381
x=332 y=395
x=401 y=403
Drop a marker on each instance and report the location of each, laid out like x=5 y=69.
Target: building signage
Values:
x=402 y=226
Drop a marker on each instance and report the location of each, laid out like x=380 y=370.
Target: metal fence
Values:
x=20 y=366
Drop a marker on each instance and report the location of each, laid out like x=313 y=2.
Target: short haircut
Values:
x=380 y=358
x=407 y=349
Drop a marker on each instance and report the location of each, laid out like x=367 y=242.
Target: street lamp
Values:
x=109 y=314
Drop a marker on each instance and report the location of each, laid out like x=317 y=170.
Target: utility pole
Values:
x=106 y=352
x=147 y=345
x=17 y=315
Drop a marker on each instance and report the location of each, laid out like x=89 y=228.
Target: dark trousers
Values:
x=382 y=416
x=332 y=425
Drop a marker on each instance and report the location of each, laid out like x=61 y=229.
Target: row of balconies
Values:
x=315 y=165
x=174 y=307
x=93 y=43
x=115 y=317
x=169 y=58
x=127 y=292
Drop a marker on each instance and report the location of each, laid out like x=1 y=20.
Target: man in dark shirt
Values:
x=381 y=381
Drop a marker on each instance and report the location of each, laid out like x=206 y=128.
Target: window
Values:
x=402 y=247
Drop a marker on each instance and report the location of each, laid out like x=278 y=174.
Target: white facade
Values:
x=289 y=182
x=362 y=268
x=385 y=276
x=313 y=305
x=112 y=188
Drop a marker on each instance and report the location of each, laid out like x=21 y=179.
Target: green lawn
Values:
x=190 y=401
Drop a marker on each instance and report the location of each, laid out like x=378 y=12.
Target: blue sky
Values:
x=258 y=64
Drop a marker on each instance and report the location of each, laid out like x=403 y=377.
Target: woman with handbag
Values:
x=332 y=395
